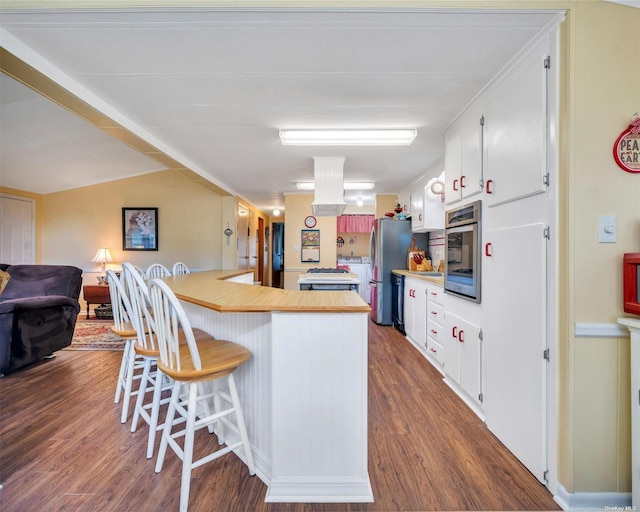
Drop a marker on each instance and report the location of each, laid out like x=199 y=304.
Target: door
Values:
x=17 y=230
x=514 y=370
x=277 y=257
x=243 y=237
x=260 y=249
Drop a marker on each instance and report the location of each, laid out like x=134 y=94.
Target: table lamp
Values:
x=103 y=256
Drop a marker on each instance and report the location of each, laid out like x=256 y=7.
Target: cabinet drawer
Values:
x=436 y=350
x=435 y=294
x=435 y=312
x=435 y=331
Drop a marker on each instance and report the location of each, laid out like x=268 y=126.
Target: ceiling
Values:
x=210 y=88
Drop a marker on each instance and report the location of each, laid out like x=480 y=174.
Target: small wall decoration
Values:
x=310 y=246
x=626 y=150
x=139 y=229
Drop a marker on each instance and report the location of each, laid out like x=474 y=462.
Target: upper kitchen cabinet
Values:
x=464 y=155
x=427 y=207
x=516 y=130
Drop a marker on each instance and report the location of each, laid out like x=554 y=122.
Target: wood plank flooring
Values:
x=63 y=448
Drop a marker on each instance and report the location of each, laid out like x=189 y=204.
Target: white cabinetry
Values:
x=417 y=209
x=463 y=355
x=514 y=293
x=435 y=325
x=363 y=271
x=404 y=198
x=427 y=209
x=464 y=156
x=415 y=309
x=516 y=130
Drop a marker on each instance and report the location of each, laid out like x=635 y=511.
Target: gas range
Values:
x=328 y=279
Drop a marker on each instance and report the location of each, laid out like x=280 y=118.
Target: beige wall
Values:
x=385 y=203
x=78 y=222
x=298 y=207
x=603 y=91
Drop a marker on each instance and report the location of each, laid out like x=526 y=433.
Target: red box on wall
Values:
x=631 y=283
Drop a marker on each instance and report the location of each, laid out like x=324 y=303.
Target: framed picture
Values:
x=139 y=229
x=310 y=246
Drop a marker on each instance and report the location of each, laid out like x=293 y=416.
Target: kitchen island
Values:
x=304 y=391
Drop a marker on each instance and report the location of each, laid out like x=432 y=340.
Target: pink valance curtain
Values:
x=355 y=223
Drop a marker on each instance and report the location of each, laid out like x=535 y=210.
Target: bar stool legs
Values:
x=156 y=381
x=219 y=417
x=125 y=382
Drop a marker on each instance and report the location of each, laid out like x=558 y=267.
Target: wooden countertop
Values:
x=209 y=289
x=439 y=280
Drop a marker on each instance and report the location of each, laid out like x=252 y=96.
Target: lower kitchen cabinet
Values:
x=363 y=271
x=415 y=309
x=463 y=356
x=435 y=325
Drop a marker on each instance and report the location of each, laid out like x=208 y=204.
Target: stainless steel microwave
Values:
x=462 y=251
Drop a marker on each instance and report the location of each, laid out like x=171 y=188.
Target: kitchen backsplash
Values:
x=436 y=246
x=355 y=244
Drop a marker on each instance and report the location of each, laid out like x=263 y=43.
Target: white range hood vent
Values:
x=329 y=186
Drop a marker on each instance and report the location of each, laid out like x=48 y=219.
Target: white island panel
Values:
x=304 y=395
x=319 y=408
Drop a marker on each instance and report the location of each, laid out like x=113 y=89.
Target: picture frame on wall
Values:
x=310 y=246
x=139 y=229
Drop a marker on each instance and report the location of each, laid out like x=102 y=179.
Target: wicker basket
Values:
x=104 y=311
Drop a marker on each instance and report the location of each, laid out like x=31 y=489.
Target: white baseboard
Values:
x=593 y=500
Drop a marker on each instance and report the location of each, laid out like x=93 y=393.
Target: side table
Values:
x=96 y=294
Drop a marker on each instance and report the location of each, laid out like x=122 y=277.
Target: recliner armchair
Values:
x=38 y=311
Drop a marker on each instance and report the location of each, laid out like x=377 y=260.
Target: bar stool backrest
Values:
x=120 y=303
x=141 y=308
x=156 y=270
x=171 y=325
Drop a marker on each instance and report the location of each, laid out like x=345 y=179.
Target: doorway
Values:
x=17 y=230
x=277 y=255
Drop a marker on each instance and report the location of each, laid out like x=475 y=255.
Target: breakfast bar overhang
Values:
x=304 y=391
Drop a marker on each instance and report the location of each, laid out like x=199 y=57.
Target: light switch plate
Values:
x=607 y=229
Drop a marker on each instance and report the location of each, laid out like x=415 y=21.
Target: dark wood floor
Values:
x=63 y=448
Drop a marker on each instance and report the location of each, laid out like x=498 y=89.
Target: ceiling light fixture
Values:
x=276 y=212
x=347 y=137
x=348 y=185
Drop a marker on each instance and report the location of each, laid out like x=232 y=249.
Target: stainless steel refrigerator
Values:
x=389 y=243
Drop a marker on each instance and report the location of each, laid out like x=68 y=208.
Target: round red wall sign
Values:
x=626 y=150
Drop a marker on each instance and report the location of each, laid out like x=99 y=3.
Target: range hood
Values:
x=329 y=186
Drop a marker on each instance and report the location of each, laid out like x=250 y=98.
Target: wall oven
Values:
x=462 y=251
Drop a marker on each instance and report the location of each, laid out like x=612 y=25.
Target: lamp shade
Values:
x=102 y=256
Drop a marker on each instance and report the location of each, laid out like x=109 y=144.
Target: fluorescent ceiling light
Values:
x=347 y=137
x=348 y=185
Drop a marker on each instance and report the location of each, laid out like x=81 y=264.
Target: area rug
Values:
x=95 y=335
